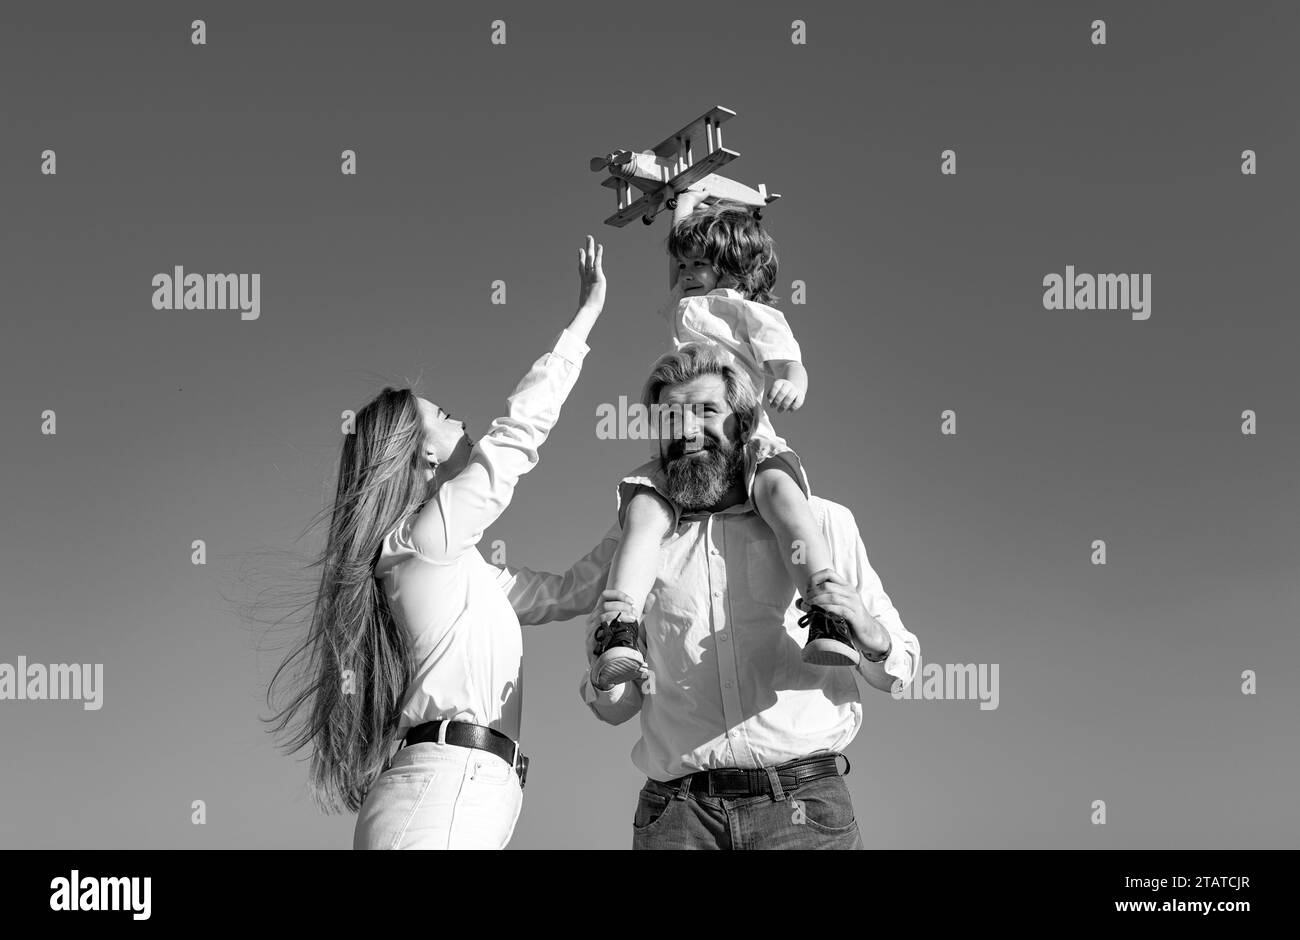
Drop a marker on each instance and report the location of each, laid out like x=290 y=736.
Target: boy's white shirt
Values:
x=753 y=333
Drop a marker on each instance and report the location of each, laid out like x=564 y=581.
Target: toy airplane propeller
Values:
x=686 y=158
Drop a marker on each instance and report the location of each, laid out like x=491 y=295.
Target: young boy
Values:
x=722 y=266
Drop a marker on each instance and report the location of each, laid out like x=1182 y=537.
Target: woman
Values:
x=413 y=640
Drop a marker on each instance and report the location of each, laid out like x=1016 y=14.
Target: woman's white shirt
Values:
x=465 y=636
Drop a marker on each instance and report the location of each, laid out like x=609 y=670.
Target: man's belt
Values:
x=753 y=781
x=465 y=734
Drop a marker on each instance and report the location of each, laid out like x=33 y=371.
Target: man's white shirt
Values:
x=728 y=685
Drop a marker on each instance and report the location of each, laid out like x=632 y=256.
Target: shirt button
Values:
x=713 y=551
x=728 y=683
x=722 y=637
x=717 y=593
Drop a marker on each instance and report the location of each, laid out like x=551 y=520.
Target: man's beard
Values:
x=700 y=481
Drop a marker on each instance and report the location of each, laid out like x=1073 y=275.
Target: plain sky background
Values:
x=924 y=293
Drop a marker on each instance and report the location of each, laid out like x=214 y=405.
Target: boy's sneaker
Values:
x=618 y=653
x=830 y=639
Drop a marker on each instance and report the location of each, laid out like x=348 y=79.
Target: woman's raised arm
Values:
x=453 y=521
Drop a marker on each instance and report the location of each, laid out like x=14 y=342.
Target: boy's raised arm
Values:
x=686 y=203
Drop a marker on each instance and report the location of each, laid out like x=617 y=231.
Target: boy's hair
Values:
x=727 y=235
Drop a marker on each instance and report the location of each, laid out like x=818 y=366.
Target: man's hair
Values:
x=693 y=360
x=727 y=235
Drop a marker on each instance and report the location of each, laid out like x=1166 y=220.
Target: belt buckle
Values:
x=519 y=764
x=718 y=777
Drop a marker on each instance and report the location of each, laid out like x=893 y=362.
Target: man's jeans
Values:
x=817 y=815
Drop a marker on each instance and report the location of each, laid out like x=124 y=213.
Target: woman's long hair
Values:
x=355 y=663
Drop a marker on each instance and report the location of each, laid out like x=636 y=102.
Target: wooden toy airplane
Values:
x=687 y=157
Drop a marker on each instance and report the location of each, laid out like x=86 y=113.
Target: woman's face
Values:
x=446 y=441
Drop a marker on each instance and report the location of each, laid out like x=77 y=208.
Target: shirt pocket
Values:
x=769 y=583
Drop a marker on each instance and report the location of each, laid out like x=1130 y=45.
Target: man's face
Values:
x=700 y=442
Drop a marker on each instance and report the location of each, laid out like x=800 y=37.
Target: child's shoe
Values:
x=830 y=639
x=617 y=651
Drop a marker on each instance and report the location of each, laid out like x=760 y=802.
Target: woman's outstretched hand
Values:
x=591 y=290
x=591 y=278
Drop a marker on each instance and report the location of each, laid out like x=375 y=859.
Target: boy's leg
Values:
x=632 y=570
x=781 y=503
x=784 y=507
x=635 y=564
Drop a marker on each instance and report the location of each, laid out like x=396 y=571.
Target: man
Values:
x=740 y=738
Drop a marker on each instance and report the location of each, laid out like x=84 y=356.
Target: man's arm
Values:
x=543 y=597
x=864 y=603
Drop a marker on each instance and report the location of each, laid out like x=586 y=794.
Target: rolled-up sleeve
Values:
x=463 y=507
x=770 y=337
x=850 y=558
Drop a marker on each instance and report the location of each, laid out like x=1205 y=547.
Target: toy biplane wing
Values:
x=689 y=156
